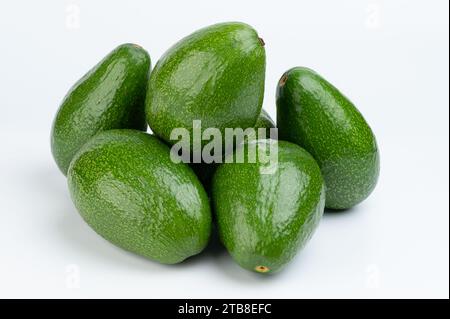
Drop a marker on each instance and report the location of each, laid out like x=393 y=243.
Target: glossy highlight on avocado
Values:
x=110 y=96
x=126 y=187
x=215 y=75
x=265 y=212
x=312 y=113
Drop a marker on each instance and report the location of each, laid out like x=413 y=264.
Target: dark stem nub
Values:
x=283 y=79
x=262 y=41
x=262 y=269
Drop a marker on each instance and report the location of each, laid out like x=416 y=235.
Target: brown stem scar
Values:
x=262 y=41
x=262 y=269
x=283 y=79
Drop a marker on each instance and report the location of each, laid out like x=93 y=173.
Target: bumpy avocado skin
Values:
x=266 y=213
x=205 y=171
x=312 y=113
x=215 y=75
x=126 y=187
x=265 y=121
x=111 y=95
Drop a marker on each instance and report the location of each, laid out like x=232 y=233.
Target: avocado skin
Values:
x=205 y=171
x=215 y=75
x=264 y=121
x=126 y=187
x=264 y=219
x=312 y=113
x=111 y=95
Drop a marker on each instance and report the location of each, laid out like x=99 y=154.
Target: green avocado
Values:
x=264 y=121
x=111 y=95
x=126 y=187
x=312 y=113
x=205 y=171
x=266 y=210
x=215 y=75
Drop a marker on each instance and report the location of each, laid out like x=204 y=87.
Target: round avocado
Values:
x=215 y=75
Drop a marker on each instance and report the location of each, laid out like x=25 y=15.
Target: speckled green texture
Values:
x=111 y=95
x=126 y=187
x=315 y=115
x=215 y=75
x=266 y=215
x=264 y=121
x=205 y=171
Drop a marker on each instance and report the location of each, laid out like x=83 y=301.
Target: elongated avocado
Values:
x=111 y=95
x=126 y=187
x=215 y=75
x=312 y=113
x=267 y=210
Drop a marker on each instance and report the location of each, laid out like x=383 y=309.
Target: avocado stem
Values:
x=283 y=79
x=262 y=41
x=262 y=269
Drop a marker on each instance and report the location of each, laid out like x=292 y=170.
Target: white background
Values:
x=389 y=57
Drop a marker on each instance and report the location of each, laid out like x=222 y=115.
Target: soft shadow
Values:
x=72 y=230
x=236 y=273
x=227 y=266
x=352 y=210
x=213 y=250
x=224 y=263
x=76 y=235
x=339 y=211
x=85 y=241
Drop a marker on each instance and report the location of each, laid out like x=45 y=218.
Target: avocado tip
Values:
x=283 y=79
x=262 y=269
x=261 y=40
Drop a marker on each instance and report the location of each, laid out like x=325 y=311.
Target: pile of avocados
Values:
x=127 y=187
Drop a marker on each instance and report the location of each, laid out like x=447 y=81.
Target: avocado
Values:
x=205 y=171
x=215 y=75
x=126 y=187
x=264 y=121
x=111 y=95
x=312 y=113
x=267 y=210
